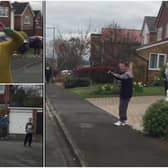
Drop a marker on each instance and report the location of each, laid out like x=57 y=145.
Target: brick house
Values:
x=24 y=17
x=154 y=49
x=6 y=14
x=113 y=45
x=38 y=23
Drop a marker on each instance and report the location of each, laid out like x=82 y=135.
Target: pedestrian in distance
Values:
x=37 y=46
x=29 y=133
x=48 y=73
x=4 y=122
x=10 y=41
x=126 y=77
x=165 y=78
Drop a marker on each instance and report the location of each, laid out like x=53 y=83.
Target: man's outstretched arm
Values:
x=17 y=40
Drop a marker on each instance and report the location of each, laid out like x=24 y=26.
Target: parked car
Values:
x=66 y=72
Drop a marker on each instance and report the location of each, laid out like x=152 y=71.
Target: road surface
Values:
x=28 y=74
x=58 y=152
x=14 y=154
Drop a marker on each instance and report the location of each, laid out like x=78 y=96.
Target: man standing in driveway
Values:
x=29 y=132
x=126 y=90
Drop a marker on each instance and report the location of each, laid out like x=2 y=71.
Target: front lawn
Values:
x=88 y=92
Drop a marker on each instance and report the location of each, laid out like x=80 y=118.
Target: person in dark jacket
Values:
x=4 y=124
x=165 y=78
x=126 y=90
x=48 y=73
x=29 y=132
x=37 y=46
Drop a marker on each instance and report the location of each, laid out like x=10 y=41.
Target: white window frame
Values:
x=158 y=55
x=159 y=33
x=25 y=18
x=7 y=13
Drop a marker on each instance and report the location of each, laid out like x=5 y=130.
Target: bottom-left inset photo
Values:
x=21 y=125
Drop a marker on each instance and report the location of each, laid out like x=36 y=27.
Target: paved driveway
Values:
x=136 y=109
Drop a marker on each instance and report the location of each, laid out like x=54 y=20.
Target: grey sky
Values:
x=70 y=16
x=36 y=5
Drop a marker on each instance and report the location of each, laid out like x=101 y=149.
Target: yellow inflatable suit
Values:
x=7 y=49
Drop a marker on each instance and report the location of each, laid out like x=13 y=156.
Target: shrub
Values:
x=72 y=81
x=98 y=74
x=155 y=120
x=157 y=82
x=138 y=87
x=107 y=89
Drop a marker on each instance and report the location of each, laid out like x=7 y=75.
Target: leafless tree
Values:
x=72 y=48
x=117 y=45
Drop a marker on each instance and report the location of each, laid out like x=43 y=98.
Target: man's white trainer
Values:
x=120 y=123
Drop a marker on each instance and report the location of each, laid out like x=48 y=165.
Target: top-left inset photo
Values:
x=21 y=42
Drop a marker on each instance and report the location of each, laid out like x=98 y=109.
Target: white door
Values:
x=18 y=120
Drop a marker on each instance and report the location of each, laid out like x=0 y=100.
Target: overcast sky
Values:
x=36 y=5
x=70 y=16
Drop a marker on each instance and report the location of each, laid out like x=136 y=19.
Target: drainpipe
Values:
x=147 y=72
x=12 y=19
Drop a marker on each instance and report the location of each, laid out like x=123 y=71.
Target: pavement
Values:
x=31 y=74
x=58 y=151
x=97 y=141
x=14 y=154
x=27 y=70
x=136 y=108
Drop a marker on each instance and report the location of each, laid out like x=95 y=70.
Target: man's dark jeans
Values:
x=123 y=108
x=28 y=138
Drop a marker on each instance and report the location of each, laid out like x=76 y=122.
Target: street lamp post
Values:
x=53 y=28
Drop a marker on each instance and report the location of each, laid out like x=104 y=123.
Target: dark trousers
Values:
x=36 y=51
x=166 y=87
x=4 y=132
x=123 y=106
x=28 y=138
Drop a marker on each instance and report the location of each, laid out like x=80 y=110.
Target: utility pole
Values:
x=53 y=28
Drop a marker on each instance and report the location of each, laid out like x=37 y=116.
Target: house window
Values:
x=3 y=11
x=2 y=89
x=27 y=20
x=159 y=34
x=156 y=61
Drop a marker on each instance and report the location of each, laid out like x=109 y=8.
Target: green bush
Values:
x=72 y=81
x=107 y=89
x=157 y=82
x=155 y=120
x=138 y=87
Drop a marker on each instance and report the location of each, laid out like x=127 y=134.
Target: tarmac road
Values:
x=28 y=74
x=14 y=154
x=58 y=152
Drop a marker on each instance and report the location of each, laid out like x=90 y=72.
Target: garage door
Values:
x=18 y=121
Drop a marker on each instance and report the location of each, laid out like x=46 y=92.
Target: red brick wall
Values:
x=17 y=23
x=5 y=97
x=27 y=26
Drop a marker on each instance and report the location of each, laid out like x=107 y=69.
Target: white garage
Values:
x=18 y=117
